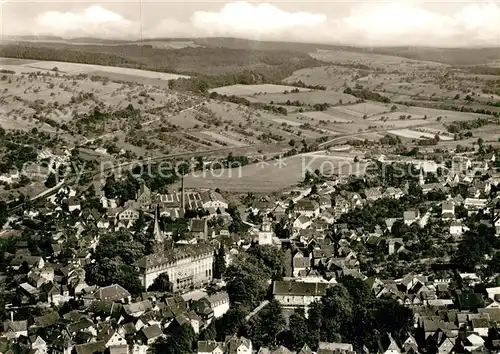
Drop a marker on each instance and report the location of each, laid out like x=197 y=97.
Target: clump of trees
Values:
x=365 y=94
x=114 y=261
x=460 y=126
x=349 y=312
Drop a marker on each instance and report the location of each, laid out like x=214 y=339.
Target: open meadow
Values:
x=277 y=174
x=310 y=97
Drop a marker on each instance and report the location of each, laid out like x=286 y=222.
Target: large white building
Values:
x=213 y=200
x=187 y=266
x=219 y=303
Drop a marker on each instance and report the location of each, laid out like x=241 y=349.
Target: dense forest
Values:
x=66 y=55
x=193 y=61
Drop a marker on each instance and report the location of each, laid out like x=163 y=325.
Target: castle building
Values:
x=187 y=266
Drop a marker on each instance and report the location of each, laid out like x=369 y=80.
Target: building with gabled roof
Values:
x=307 y=207
x=238 y=345
x=130 y=211
x=219 y=303
x=151 y=333
x=298 y=294
x=335 y=348
x=143 y=196
x=115 y=293
x=15 y=329
x=211 y=199
x=211 y=347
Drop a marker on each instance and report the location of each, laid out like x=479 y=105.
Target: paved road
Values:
x=257 y=309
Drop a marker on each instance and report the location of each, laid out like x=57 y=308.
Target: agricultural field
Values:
x=144 y=120
x=334 y=78
x=304 y=97
x=417 y=135
x=76 y=68
x=247 y=90
x=365 y=108
x=321 y=116
x=57 y=98
x=374 y=60
x=277 y=174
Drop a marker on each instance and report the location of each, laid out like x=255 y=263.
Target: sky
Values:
x=360 y=22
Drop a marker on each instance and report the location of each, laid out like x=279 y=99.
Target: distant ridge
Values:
x=452 y=56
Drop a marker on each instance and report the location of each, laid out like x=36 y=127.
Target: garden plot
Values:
x=244 y=90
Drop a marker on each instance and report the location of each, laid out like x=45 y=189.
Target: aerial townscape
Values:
x=233 y=196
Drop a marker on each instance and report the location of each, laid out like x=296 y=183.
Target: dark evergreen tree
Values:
x=162 y=283
x=51 y=180
x=220 y=262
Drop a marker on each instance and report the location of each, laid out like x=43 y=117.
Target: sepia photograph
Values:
x=249 y=177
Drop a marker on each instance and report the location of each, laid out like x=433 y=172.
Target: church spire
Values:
x=157 y=232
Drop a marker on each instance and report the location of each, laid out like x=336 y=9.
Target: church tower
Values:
x=266 y=233
x=157 y=232
x=421 y=179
